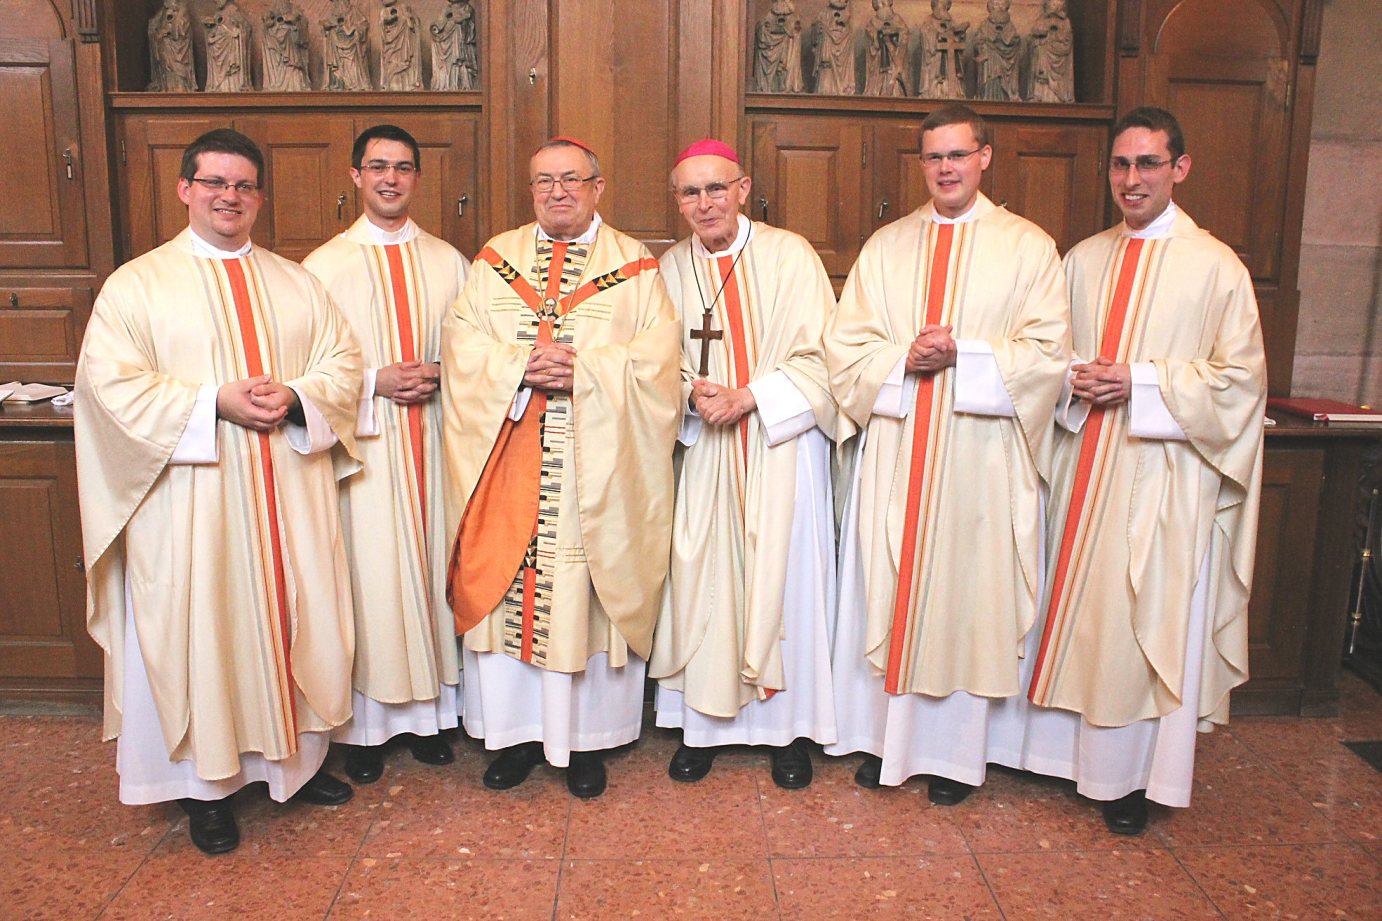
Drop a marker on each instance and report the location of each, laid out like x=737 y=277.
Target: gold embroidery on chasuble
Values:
x=1104 y=431
x=527 y=605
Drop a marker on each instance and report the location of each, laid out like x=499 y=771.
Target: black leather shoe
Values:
x=430 y=749
x=792 y=767
x=1127 y=816
x=324 y=790
x=869 y=772
x=364 y=763
x=586 y=775
x=691 y=764
x=946 y=792
x=211 y=825
x=513 y=765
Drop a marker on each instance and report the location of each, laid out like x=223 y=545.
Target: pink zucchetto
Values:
x=709 y=148
x=570 y=140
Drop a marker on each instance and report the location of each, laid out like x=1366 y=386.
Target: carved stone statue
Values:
x=942 y=54
x=886 y=34
x=170 y=50
x=455 y=62
x=833 y=41
x=400 y=64
x=995 y=51
x=344 y=46
x=777 y=50
x=227 y=49
x=285 y=49
x=1052 y=55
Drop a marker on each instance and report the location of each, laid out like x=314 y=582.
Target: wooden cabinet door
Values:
x=893 y=165
x=447 y=203
x=1231 y=91
x=807 y=178
x=1053 y=176
x=43 y=606
x=41 y=331
x=42 y=213
x=309 y=196
x=151 y=149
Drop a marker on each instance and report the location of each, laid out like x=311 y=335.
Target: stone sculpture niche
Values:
x=400 y=62
x=886 y=52
x=345 y=41
x=285 y=49
x=171 y=68
x=777 y=50
x=832 y=41
x=942 y=54
x=227 y=49
x=1052 y=55
x=455 y=59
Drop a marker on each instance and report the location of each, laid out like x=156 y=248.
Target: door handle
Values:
x=340 y=207
x=763 y=207
x=461 y=203
x=882 y=207
x=67 y=156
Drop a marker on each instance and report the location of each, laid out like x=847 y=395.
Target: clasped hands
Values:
x=408 y=382
x=1101 y=382
x=551 y=366
x=258 y=403
x=932 y=350
x=720 y=405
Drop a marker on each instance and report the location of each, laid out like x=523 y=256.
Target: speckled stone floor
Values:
x=1286 y=823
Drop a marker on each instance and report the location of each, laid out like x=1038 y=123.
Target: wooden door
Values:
x=309 y=196
x=40 y=332
x=807 y=177
x=151 y=149
x=42 y=212
x=893 y=166
x=43 y=606
x=1053 y=175
x=1230 y=87
x=448 y=200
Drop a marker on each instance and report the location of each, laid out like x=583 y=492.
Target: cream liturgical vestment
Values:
x=1153 y=516
x=741 y=649
x=394 y=289
x=561 y=503
x=941 y=542
x=217 y=577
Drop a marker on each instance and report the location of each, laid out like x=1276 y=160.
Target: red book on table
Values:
x=1325 y=410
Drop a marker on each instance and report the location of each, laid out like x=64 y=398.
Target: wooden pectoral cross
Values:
x=706 y=334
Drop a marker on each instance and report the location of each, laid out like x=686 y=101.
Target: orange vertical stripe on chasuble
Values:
x=1109 y=347
x=926 y=386
x=398 y=281
x=254 y=365
x=734 y=317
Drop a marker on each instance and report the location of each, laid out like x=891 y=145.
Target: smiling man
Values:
x=1160 y=437
x=394 y=282
x=948 y=350
x=562 y=400
x=213 y=378
x=741 y=650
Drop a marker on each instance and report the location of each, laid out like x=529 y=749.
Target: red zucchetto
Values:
x=709 y=148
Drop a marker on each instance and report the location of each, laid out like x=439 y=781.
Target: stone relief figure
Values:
x=833 y=42
x=285 y=49
x=1052 y=55
x=777 y=50
x=400 y=63
x=995 y=52
x=886 y=34
x=455 y=61
x=227 y=49
x=942 y=54
x=170 y=50
x=344 y=46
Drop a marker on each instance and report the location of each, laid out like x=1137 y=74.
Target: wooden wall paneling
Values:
x=42 y=207
x=309 y=196
x=515 y=71
x=42 y=610
x=1052 y=175
x=151 y=147
x=41 y=332
x=893 y=170
x=449 y=173
x=1095 y=25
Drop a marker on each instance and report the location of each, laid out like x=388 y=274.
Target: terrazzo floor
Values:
x=1286 y=823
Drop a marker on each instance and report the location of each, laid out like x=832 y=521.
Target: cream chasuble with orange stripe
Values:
x=235 y=569
x=719 y=636
x=560 y=521
x=949 y=513
x=395 y=297
x=1132 y=518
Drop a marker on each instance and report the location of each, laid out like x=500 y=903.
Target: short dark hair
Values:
x=226 y=141
x=563 y=142
x=957 y=114
x=1154 y=119
x=384 y=133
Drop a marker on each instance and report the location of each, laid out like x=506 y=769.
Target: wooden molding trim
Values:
x=84 y=14
x=1130 y=28
x=1312 y=26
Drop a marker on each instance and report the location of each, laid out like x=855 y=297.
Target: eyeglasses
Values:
x=569 y=183
x=217 y=184
x=715 y=191
x=953 y=157
x=380 y=167
x=1144 y=164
